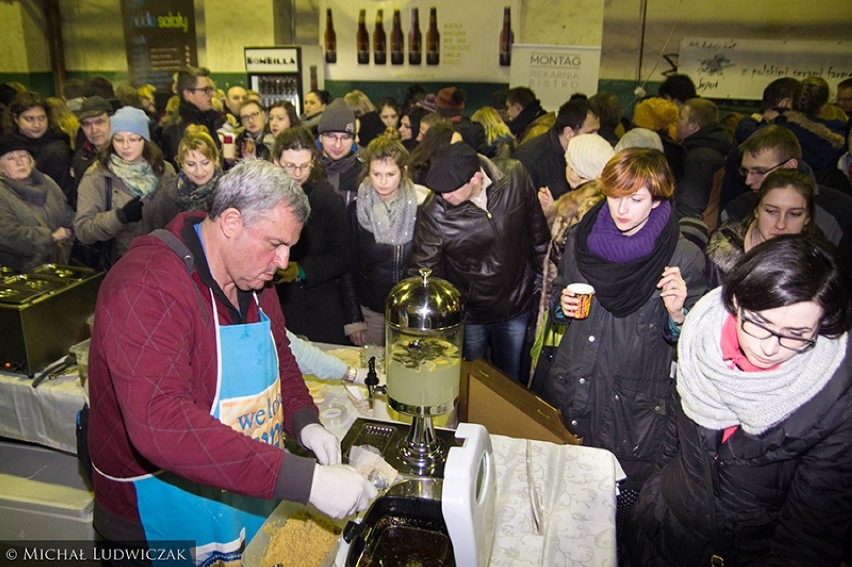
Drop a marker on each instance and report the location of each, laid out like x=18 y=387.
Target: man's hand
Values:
x=323 y=444
x=339 y=491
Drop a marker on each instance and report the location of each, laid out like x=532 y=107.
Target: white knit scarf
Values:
x=718 y=397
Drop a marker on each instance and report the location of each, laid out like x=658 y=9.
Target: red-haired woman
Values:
x=611 y=375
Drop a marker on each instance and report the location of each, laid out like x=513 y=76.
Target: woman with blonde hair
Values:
x=382 y=224
x=499 y=141
x=200 y=166
x=610 y=375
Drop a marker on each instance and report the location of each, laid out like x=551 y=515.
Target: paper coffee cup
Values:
x=584 y=292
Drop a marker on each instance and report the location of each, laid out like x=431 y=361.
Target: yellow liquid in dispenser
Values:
x=423 y=372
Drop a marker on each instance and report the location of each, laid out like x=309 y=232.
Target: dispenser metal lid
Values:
x=424 y=303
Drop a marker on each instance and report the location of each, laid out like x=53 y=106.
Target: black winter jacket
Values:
x=313 y=306
x=611 y=376
x=378 y=267
x=494 y=258
x=176 y=123
x=544 y=159
x=781 y=498
x=52 y=154
x=705 y=154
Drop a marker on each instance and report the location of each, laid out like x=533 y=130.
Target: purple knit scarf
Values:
x=607 y=242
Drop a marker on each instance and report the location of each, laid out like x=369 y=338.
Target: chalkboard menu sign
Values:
x=159 y=38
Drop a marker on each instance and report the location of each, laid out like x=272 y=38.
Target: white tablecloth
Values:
x=577 y=487
x=46 y=415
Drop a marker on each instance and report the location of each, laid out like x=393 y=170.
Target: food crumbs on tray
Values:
x=304 y=540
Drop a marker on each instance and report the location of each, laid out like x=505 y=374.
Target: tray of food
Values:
x=294 y=534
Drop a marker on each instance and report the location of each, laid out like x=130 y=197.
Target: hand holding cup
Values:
x=576 y=300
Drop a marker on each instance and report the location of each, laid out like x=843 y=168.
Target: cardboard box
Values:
x=504 y=407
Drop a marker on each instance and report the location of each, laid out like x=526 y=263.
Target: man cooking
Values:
x=192 y=383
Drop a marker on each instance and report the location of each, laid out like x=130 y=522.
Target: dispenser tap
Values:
x=372 y=380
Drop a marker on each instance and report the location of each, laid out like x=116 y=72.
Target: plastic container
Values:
x=43 y=495
x=81 y=351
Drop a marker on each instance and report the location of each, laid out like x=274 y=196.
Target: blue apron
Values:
x=248 y=399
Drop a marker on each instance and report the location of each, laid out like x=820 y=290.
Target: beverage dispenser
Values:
x=424 y=332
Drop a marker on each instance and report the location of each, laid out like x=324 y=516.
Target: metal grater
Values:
x=378 y=436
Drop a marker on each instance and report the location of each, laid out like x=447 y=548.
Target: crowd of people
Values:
x=721 y=243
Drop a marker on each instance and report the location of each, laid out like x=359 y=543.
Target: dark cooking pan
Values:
x=399 y=531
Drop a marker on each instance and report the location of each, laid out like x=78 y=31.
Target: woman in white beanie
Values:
x=119 y=197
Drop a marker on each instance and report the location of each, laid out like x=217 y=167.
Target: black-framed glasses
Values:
x=759 y=331
x=761 y=172
x=252 y=116
x=207 y=90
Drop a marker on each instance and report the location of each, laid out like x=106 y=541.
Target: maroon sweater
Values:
x=152 y=380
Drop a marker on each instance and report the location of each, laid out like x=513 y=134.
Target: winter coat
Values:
x=28 y=215
x=611 y=376
x=705 y=154
x=312 y=306
x=52 y=154
x=783 y=497
x=97 y=223
x=822 y=140
x=544 y=159
x=494 y=258
x=175 y=124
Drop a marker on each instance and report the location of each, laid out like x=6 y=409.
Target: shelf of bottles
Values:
x=273 y=88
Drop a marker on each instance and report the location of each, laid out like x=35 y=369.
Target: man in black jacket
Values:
x=544 y=155
x=196 y=107
x=483 y=231
x=339 y=151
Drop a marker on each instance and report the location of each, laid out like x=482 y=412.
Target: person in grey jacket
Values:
x=35 y=219
x=611 y=375
x=119 y=196
x=757 y=460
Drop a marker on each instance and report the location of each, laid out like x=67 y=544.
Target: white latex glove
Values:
x=339 y=491
x=323 y=443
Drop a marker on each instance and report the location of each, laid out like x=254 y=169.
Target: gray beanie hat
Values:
x=639 y=138
x=337 y=117
x=129 y=119
x=587 y=155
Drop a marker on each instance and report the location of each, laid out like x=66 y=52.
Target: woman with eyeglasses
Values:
x=784 y=205
x=756 y=468
x=309 y=287
x=29 y=120
x=382 y=221
x=119 y=197
x=254 y=141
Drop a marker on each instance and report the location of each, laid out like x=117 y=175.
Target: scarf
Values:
x=192 y=197
x=334 y=168
x=32 y=191
x=716 y=396
x=625 y=285
x=136 y=175
x=391 y=221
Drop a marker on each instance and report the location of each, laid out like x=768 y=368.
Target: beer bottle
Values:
x=380 y=40
x=415 y=39
x=507 y=38
x=330 y=39
x=362 y=39
x=433 y=39
x=397 y=47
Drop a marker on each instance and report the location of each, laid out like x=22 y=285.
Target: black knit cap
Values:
x=11 y=143
x=452 y=167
